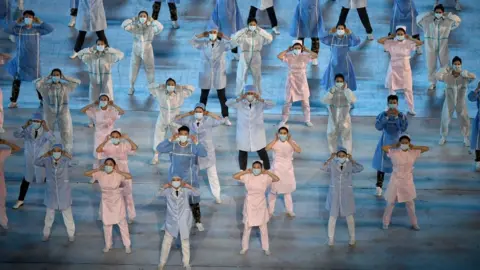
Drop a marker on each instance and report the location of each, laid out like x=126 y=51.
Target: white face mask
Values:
x=400 y=38
x=28 y=21
x=341 y=160
x=438 y=15
x=176 y=184
x=57 y=155
x=115 y=140
x=108 y=169
x=250 y=98
x=404 y=146
x=297 y=52
x=340 y=32
x=252 y=27
x=55 y=79
x=183 y=138
x=36 y=125
x=198 y=116
x=100 y=48
x=142 y=19
x=256 y=171
x=457 y=68
x=102 y=103
x=283 y=137
x=170 y=88
x=339 y=84
x=212 y=37
x=392 y=106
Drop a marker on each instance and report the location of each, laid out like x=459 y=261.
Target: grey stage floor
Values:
x=448 y=188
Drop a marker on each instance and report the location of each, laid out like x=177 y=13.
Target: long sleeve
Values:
x=197 y=43
x=193 y=192
x=40 y=161
x=328 y=39
x=350 y=96
x=238 y=37
x=128 y=25
x=327 y=167
x=456 y=20
x=157 y=27
x=187 y=90
x=165 y=147
x=468 y=75
x=353 y=40
x=402 y=122
x=440 y=75
x=199 y=150
x=114 y=55
x=268 y=104
x=267 y=37
x=232 y=103
x=327 y=98
x=212 y=122
x=381 y=121
x=71 y=83
x=164 y=192
x=41 y=85
x=421 y=19
x=19 y=133
x=357 y=167
x=43 y=28
x=473 y=96
x=13 y=28
x=85 y=55
x=228 y=44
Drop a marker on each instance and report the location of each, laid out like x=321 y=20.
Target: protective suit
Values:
x=350 y=4
x=91 y=16
x=99 y=66
x=170 y=104
x=437 y=32
x=404 y=14
x=340 y=61
x=56 y=108
x=250 y=44
x=455 y=99
x=142 y=50
x=339 y=125
x=308 y=20
x=475 y=140
x=227 y=17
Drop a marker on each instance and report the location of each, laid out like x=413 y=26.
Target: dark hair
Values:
x=183 y=128
x=113 y=160
x=298 y=43
x=101 y=39
x=285 y=128
x=143 y=11
x=392 y=97
x=339 y=75
x=344 y=151
x=103 y=95
x=439 y=6
x=252 y=20
x=28 y=12
x=56 y=69
x=401 y=29
x=404 y=137
x=342 y=24
x=170 y=79
x=456 y=58
x=116 y=131
x=257 y=162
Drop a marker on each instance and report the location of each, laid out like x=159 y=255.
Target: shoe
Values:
x=130 y=221
x=128 y=250
x=226 y=121
x=352 y=106
x=41 y=105
x=331 y=242
x=282 y=124
x=71 y=238
x=131 y=91
x=106 y=249
x=267 y=252
x=92 y=181
x=291 y=214
x=12 y=105
x=74 y=55
x=200 y=227
x=243 y=251
x=2 y=130
x=352 y=242
x=466 y=141
x=187 y=267
x=442 y=141
x=315 y=62
x=385 y=226
x=17 y=205
x=218 y=200
x=378 y=192
x=175 y=25
x=154 y=160
x=90 y=124
x=72 y=22
x=45 y=237
x=432 y=87
x=458 y=7
x=370 y=37
x=415 y=227
x=477 y=166
x=275 y=30
x=12 y=38
x=236 y=57
x=309 y=124
x=419 y=50
x=412 y=112
x=161 y=267
x=4 y=226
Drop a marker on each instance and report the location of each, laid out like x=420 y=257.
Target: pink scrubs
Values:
x=399 y=74
x=297 y=84
x=283 y=167
x=104 y=121
x=255 y=212
x=120 y=154
x=113 y=206
x=4 y=153
x=1 y=111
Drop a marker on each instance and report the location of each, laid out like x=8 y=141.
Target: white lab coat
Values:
x=436 y=34
x=170 y=105
x=99 y=66
x=142 y=50
x=91 y=16
x=339 y=121
x=354 y=4
x=250 y=44
x=250 y=125
x=262 y=4
x=213 y=73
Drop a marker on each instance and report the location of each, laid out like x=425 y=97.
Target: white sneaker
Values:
x=378 y=192
x=477 y=166
x=175 y=25
x=2 y=130
x=71 y=238
x=370 y=37
x=130 y=221
x=4 y=226
x=291 y=214
x=12 y=105
x=267 y=252
x=315 y=62
x=218 y=200
x=106 y=249
x=131 y=91
x=309 y=124
x=442 y=141
x=74 y=55
x=275 y=30
x=458 y=7
x=243 y=251
x=161 y=267
x=331 y=242
x=154 y=160
x=415 y=227
x=72 y=22
x=236 y=57
x=432 y=87
x=187 y=267
x=412 y=112
x=12 y=38
x=45 y=237
x=226 y=121
x=128 y=250
x=466 y=141
x=200 y=227
x=17 y=205
x=419 y=50
x=385 y=226
x=352 y=242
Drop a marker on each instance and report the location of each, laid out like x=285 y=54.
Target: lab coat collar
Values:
x=180 y=192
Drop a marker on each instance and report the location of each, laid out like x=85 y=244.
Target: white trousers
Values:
x=332 y=221
x=213 y=181
x=334 y=131
x=460 y=106
x=67 y=219
x=167 y=244
x=148 y=65
x=65 y=125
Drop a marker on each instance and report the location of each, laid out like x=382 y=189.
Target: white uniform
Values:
x=142 y=50
x=339 y=121
x=437 y=32
x=250 y=44
x=354 y=4
x=169 y=104
x=99 y=66
x=262 y=4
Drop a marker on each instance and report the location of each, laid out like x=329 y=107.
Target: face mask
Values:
x=404 y=146
x=108 y=169
x=142 y=20
x=102 y=103
x=212 y=36
x=282 y=137
x=28 y=20
x=183 y=138
x=170 y=88
x=400 y=38
x=55 y=79
x=57 y=155
x=250 y=98
x=457 y=68
x=297 y=52
x=339 y=84
x=100 y=48
x=115 y=140
x=198 y=116
x=341 y=160
x=252 y=27
x=340 y=32
x=176 y=184
x=36 y=125
x=392 y=106
x=256 y=171
x=438 y=15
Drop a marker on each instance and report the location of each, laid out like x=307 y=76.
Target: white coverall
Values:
x=250 y=44
x=56 y=109
x=339 y=121
x=455 y=99
x=142 y=50
x=436 y=34
x=169 y=104
x=99 y=66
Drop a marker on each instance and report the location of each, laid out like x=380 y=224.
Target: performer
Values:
x=404 y=13
x=3 y=57
x=255 y=212
x=474 y=96
x=5 y=152
x=73 y=12
x=458 y=7
x=157 y=5
x=268 y=5
x=361 y=6
x=228 y=18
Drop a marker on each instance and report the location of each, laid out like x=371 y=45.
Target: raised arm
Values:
x=13 y=28
x=267 y=37
x=43 y=28
x=475 y=94
x=422 y=19
x=157 y=27
x=120 y=110
x=356 y=167
x=456 y=20
x=102 y=145
x=239 y=174
x=14 y=148
x=197 y=40
x=85 y=55
x=274 y=177
x=129 y=140
x=440 y=75
x=128 y=25
x=71 y=83
x=422 y=149
x=186 y=90
x=282 y=54
x=272 y=143
x=239 y=37
x=326 y=165
x=167 y=145
x=383 y=39
x=85 y=109
x=294 y=144
x=387 y=148
x=91 y=172
x=113 y=55
x=124 y=174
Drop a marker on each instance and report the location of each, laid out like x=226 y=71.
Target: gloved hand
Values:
x=333 y=89
x=464 y=74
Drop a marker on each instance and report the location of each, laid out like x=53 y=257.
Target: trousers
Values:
x=64 y=124
x=23 y=190
x=305 y=107
x=171 y=6
x=16 y=91
x=197 y=215
x=408 y=97
x=362 y=13
x=449 y=106
x=167 y=245
x=81 y=39
x=380 y=179
x=315 y=44
x=263 y=236
x=270 y=11
x=272 y=198
x=137 y=59
x=3 y=208
x=332 y=221
x=345 y=135
x=67 y=219
x=410 y=205
x=243 y=159
x=477 y=155
x=222 y=98
x=123 y=226
x=213 y=181
x=128 y=197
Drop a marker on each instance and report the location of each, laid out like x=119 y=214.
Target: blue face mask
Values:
x=28 y=20
x=103 y=104
x=283 y=137
x=115 y=140
x=57 y=155
x=36 y=125
x=392 y=106
x=55 y=79
x=256 y=171
x=108 y=169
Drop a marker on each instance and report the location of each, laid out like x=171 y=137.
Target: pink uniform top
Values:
x=401 y=187
x=297 y=84
x=399 y=74
x=113 y=204
x=255 y=212
x=104 y=122
x=1 y=109
x=119 y=153
x=4 y=153
x=283 y=168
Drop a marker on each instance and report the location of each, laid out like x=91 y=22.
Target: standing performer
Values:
x=474 y=96
x=3 y=57
x=25 y=66
x=339 y=99
x=144 y=29
x=5 y=152
x=340 y=198
x=401 y=187
x=178 y=218
x=38 y=139
x=283 y=147
x=297 y=57
x=91 y=18
x=201 y=123
x=405 y=13
x=73 y=12
x=56 y=89
x=213 y=73
x=268 y=5
x=250 y=125
x=361 y=6
x=184 y=154
x=458 y=7
x=99 y=62
x=340 y=40
x=251 y=41
x=399 y=74
x=170 y=98
x=111 y=181
x=227 y=17
x=255 y=211
x=308 y=23
x=456 y=82
x=171 y=6
x=57 y=193
x=436 y=27
x=392 y=123
x=114 y=147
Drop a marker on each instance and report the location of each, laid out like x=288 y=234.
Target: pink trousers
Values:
x=387 y=215
x=263 y=235
x=305 y=107
x=107 y=231
x=408 y=97
x=3 y=199
x=128 y=197
x=1 y=109
x=272 y=198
